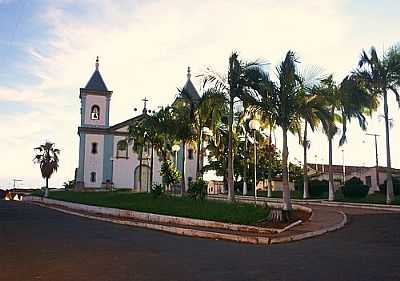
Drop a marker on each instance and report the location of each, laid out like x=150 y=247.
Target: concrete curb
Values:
x=261 y=240
x=154 y=218
x=312 y=233
x=319 y=202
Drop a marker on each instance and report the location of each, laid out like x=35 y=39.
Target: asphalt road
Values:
x=42 y=244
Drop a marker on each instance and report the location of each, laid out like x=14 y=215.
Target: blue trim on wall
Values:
x=107 y=154
x=107 y=113
x=83 y=110
x=81 y=167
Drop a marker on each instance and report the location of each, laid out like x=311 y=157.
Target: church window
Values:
x=190 y=153
x=94 y=147
x=95 y=112
x=93 y=177
x=122 y=149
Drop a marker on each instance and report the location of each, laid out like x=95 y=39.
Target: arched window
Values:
x=93 y=177
x=122 y=149
x=95 y=112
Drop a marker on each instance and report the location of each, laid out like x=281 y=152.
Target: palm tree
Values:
x=47 y=158
x=280 y=101
x=233 y=85
x=182 y=128
x=381 y=76
x=345 y=101
x=313 y=110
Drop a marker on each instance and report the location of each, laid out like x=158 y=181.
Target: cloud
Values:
x=145 y=48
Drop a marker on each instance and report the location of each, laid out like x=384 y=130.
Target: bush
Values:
x=157 y=190
x=396 y=186
x=198 y=189
x=169 y=173
x=355 y=188
x=318 y=188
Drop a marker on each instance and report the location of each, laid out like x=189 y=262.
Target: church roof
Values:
x=96 y=83
x=190 y=91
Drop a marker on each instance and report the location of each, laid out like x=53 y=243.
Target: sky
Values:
x=48 y=51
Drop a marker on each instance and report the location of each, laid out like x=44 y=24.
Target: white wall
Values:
x=123 y=169
x=100 y=101
x=94 y=162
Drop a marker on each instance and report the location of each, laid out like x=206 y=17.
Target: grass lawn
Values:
x=375 y=198
x=239 y=213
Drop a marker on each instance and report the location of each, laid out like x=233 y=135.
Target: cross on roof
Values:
x=145 y=100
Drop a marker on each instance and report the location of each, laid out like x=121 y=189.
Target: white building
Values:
x=102 y=162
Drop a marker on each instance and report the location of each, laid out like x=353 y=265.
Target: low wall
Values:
x=153 y=218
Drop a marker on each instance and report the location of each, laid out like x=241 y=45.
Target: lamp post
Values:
x=255 y=125
x=343 y=167
x=175 y=149
x=112 y=173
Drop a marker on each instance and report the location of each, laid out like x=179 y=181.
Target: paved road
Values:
x=42 y=244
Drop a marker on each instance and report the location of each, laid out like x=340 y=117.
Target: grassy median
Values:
x=238 y=213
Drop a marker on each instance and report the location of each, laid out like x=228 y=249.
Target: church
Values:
x=103 y=161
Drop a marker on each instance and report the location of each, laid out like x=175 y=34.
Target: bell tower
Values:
x=94 y=143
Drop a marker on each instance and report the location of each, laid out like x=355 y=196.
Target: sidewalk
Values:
x=322 y=220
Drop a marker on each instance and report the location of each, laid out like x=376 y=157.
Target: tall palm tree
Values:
x=285 y=101
x=233 y=85
x=381 y=75
x=47 y=156
x=345 y=101
x=280 y=101
x=313 y=110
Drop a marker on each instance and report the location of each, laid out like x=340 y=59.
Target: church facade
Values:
x=103 y=162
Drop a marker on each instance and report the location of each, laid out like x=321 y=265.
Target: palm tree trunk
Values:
x=151 y=167
x=231 y=189
x=183 y=183
x=287 y=206
x=245 y=166
x=331 y=183
x=46 y=190
x=199 y=155
x=306 y=194
x=389 y=180
x=140 y=169
x=269 y=164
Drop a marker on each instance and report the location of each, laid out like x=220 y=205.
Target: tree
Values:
x=381 y=75
x=345 y=101
x=47 y=156
x=237 y=82
x=313 y=110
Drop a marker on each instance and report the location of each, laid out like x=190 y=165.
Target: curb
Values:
x=319 y=202
x=312 y=233
x=260 y=240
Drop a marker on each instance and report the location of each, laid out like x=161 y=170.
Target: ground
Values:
x=43 y=244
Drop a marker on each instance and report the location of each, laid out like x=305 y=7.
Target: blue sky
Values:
x=48 y=48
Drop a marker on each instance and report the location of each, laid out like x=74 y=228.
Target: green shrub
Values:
x=198 y=189
x=318 y=188
x=355 y=188
x=157 y=190
x=169 y=173
x=396 y=186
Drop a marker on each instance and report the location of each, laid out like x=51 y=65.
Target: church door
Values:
x=144 y=187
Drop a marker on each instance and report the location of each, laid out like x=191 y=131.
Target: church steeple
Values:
x=96 y=82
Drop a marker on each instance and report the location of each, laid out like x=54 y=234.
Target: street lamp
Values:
x=255 y=125
x=175 y=149
x=112 y=172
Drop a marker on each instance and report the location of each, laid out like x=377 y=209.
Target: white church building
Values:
x=102 y=162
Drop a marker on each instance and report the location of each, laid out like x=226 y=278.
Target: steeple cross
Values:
x=145 y=100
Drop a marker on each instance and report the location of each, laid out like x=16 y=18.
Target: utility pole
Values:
x=376 y=157
x=14 y=181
